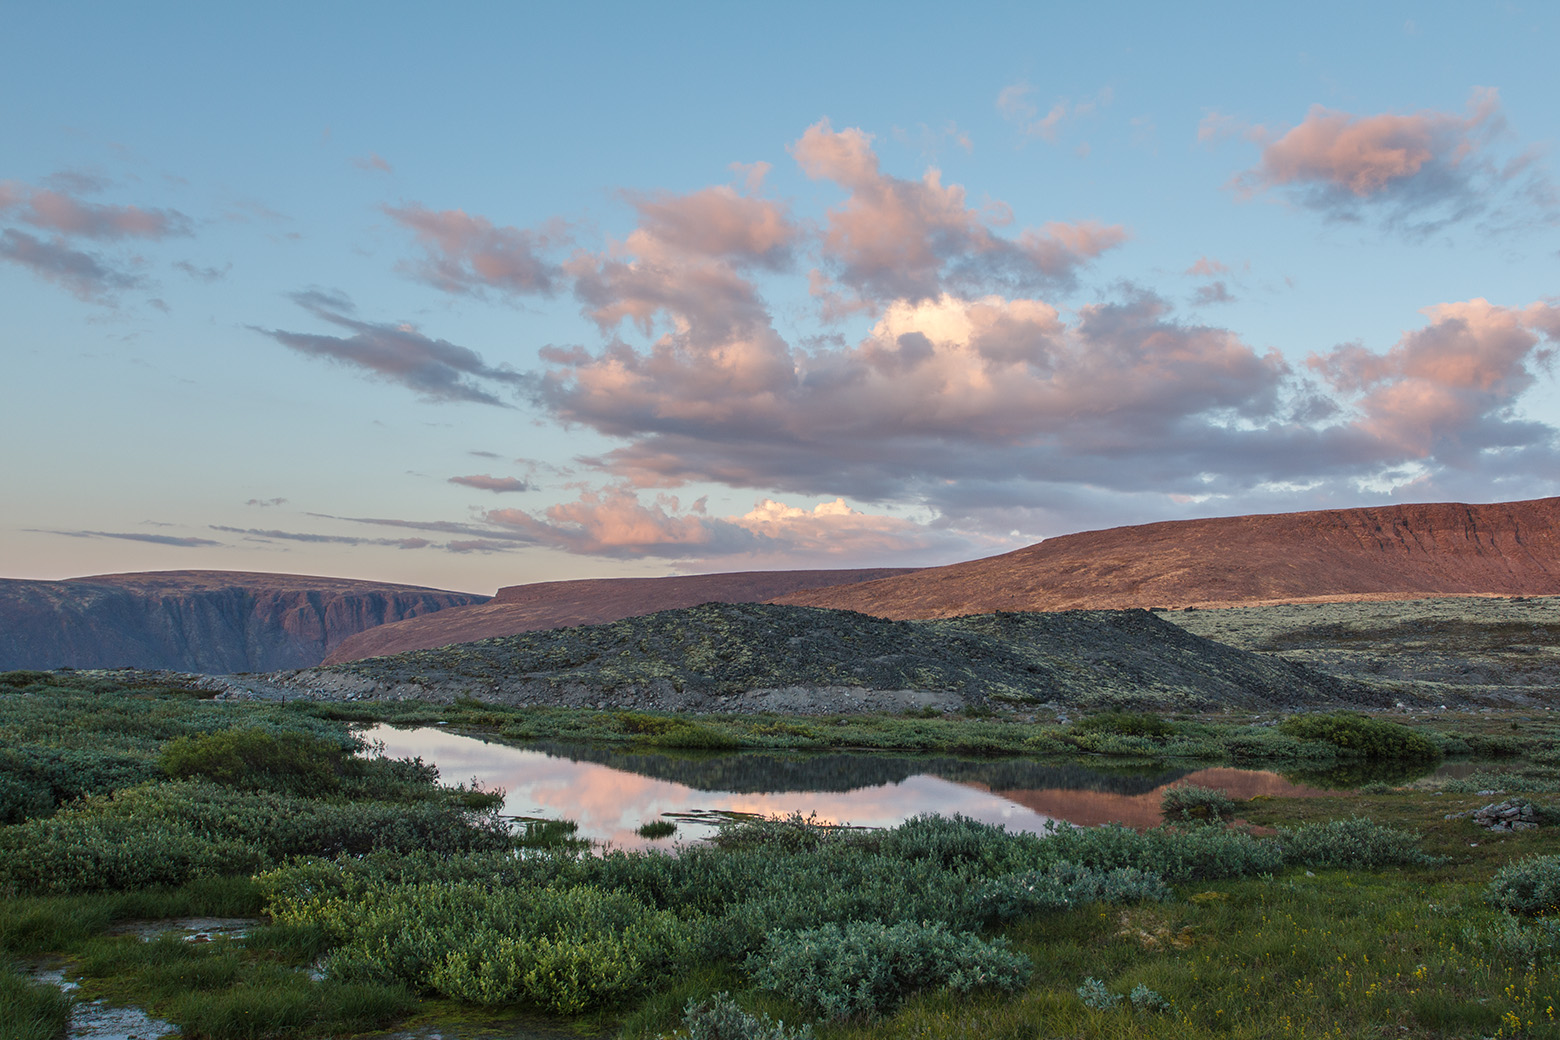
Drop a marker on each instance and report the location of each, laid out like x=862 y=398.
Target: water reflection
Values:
x=610 y=793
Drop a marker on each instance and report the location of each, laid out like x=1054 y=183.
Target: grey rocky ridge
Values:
x=807 y=660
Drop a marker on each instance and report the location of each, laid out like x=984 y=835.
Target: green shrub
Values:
x=169 y=833
x=1174 y=854
x=258 y=759
x=1062 y=886
x=1357 y=843
x=1362 y=736
x=1525 y=941
x=1189 y=803
x=565 y=949
x=1095 y=994
x=657 y=829
x=1126 y=724
x=1529 y=886
x=720 y=1018
x=866 y=968
x=22 y=678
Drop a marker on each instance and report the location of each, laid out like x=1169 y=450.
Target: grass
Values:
x=1410 y=950
x=657 y=829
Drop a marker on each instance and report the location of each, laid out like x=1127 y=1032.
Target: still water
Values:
x=612 y=792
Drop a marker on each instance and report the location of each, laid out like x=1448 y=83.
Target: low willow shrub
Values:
x=1499 y=782
x=1357 y=843
x=1522 y=940
x=170 y=833
x=720 y=1018
x=567 y=950
x=1127 y=724
x=255 y=758
x=1176 y=854
x=1529 y=887
x=1362 y=736
x=1189 y=803
x=867 y=968
x=36 y=779
x=1063 y=886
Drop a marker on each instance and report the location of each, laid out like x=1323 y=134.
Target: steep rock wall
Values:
x=200 y=621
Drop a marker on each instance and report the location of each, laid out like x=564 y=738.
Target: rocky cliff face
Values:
x=1389 y=552
x=198 y=621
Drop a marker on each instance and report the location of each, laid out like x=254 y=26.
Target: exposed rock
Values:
x=1514 y=814
x=1388 y=552
x=595 y=601
x=758 y=658
x=197 y=621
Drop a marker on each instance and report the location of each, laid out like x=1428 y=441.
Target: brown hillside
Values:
x=557 y=604
x=1388 y=552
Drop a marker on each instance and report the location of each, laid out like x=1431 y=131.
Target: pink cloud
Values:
x=1447 y=389
x=1421 y=170
x=468 y=254
x=614 y=522
x=714 y=222
x=65 y=214
x=372 y=162
x=900 y=239
x=1208 y=268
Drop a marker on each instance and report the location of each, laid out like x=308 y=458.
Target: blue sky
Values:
x=506 y=293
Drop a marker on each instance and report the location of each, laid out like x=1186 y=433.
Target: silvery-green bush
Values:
x=866 y=968
x=1529 y=886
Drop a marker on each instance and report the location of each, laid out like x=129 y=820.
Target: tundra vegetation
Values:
x=381 y=897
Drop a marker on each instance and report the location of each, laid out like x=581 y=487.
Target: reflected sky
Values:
x=610 y=805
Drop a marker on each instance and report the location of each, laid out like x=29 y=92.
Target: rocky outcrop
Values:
x=198 y=621
x=557 y=604
x=1388 y=552
x=754 y=658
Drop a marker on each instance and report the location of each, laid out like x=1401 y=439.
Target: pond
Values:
x=611 y=791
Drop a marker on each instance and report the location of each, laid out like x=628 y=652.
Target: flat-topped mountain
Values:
x=558 y=604
x=198 y=621
x=1382 y=552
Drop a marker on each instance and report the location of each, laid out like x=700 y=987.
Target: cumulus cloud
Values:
x=901 y=239
x=435 y=369
x=483 y=482
x=1419 y=171
x=936 y=387
x=1448 y=391
x=469 y=254
x=614 y=522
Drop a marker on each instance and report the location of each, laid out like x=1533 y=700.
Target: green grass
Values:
x=1249 y=946
x=31 y=1011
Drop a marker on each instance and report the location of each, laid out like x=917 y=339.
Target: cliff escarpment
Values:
x=1386 y=552
x=198 y=621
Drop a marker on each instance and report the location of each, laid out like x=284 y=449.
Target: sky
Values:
x=485 y=294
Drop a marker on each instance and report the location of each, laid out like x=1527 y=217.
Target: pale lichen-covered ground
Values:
x=1479 y=650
